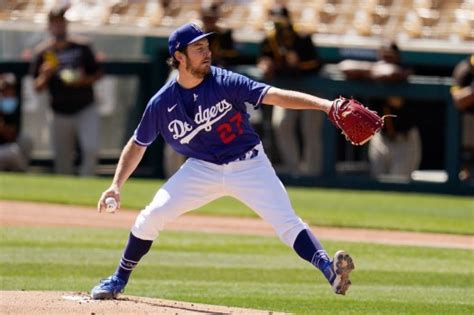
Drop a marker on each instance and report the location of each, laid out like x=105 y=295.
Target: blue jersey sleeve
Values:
x=245 y=90
x=148 y=128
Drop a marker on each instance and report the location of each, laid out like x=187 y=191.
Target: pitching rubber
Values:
x=342 y=266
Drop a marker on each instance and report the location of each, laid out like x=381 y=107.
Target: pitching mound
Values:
x=50 y=302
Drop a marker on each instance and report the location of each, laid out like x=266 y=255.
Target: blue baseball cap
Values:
x=184 y=36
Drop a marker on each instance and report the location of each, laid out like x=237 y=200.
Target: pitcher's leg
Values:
x=259 y=188
x=191 y=187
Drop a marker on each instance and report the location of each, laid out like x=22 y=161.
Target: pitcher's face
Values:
x=198 y=58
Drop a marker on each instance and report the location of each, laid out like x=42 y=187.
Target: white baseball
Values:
x=110 y=204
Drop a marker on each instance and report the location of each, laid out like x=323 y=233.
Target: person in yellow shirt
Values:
x=67 y=68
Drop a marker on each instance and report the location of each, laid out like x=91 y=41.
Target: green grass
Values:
x=328 y=207
x=243 y=271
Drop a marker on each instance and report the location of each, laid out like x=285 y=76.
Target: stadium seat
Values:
x=433 y=19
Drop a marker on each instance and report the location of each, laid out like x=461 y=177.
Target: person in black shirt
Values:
x=286 y=53
x=397 y=150
x=462 y=92
x=221 y=42
x=68 y=69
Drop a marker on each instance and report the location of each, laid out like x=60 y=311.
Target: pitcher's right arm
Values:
x=130 y=157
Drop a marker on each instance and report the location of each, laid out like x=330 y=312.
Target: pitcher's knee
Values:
x=288 y=231
x=148 y=224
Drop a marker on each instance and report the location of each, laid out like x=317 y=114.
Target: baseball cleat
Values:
x=341 y=266
x=108 y=288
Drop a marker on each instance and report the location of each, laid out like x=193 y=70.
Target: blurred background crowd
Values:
x=410 y=18
x=75 y=76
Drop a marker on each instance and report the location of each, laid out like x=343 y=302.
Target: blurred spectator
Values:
x=386 y=69
x=463 y=97
x=67 y=67
x=221 y=43
x=163 y=10
x=15 y=149
x=223 y=54
x=396 y=150
x=286 y=53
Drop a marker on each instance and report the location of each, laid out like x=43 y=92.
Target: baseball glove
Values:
x=358 y=123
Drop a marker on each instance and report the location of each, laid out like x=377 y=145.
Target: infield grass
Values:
x=326 y=207
x=243 y=271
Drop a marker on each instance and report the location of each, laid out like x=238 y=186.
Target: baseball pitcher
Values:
x=202 y=115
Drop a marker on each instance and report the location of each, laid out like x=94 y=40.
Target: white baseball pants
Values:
x=252 y=181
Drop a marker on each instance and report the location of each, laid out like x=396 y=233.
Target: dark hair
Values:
x=173 y=62
x=390 y=46
x=57 y=14
x=210 y=11
x=280 y=11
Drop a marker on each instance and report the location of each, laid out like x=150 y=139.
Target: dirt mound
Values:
x=51 y=302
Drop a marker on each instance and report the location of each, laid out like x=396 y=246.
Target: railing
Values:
x=425 y=88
